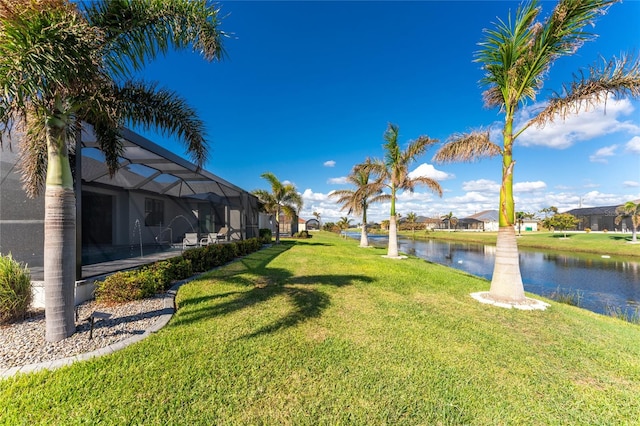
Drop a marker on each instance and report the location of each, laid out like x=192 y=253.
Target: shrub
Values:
x=587 y=230
x=120 y=287
x=126 y=286
x=265 y=235
x=15 y=289
x=302 y=234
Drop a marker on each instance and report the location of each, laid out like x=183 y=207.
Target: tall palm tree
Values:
x=283 y=198
x=62 y=64
x=393 y=173
x=516 y=57
x=632 y=210
x=358 y=200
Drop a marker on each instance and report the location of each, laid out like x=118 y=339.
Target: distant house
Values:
x=486 y=220
x=600 y=219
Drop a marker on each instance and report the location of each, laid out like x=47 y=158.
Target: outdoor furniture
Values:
x=190 y=240
x=211 y=238
x=222 y=234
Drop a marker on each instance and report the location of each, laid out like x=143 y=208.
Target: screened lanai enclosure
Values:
x=152 y=202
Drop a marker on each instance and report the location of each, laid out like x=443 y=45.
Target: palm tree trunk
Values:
x=506 y=283
x=59 y=240
x=364 y=240
x=59 y=262
x=277 y=225
x=393 y=237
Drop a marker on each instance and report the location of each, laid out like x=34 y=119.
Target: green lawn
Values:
x=321 y=332
x=601 y=243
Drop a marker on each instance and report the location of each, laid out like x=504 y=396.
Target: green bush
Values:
x=15 y=289
x=265 y=235
x=302 y=234
x=150 y=279
x=125 y=286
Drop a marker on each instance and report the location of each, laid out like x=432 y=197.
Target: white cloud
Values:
x=604 y=119
x=338 y=180
x=329 y=163
x=309 y=195
x=633 y=145
x=600 y=156
x=481 y=185
x=529 y=186
x=631 y=183
x=470 y=197
x=418 y=196
x=427 y=170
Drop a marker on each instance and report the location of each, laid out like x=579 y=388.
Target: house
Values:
x=148 y=206
x=601 y=219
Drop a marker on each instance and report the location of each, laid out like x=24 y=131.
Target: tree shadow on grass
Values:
x=561 y=236
x=621 y=237
x=306 y=300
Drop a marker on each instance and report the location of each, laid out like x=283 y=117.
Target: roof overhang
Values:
x=145 y=166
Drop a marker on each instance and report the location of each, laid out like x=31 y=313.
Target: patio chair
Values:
x=222 y=234
x=211 y=238
x=190 y=240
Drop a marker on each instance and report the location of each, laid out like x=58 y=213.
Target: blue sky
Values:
x=307 y=89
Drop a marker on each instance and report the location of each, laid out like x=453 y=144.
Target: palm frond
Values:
x=138 y=31
x=516 y=56
x=416 y=148
x=143 y=104
x=32 y=159
x=430 y=183
x=617 y=78
x=46 y=48
x=467 y=147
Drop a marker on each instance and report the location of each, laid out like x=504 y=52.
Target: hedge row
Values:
x=148 y=280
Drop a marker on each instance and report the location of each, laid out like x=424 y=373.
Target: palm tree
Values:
x=357 y=201
x=520 y=217
x=450 y=219
x=283 y=198
x=344 y=224
x=393 y=172
x=516 y=57
x=317 y=216
x=632 y=210
x=62 y=64
x=412 y=219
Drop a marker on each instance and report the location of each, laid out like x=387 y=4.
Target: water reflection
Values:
x=603 y=283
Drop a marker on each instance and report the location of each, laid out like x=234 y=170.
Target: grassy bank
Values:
x=600 y=243
x=319 y=331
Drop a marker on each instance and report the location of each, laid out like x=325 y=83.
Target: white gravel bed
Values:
x=23 y=342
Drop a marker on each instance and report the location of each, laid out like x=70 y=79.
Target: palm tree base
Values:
x=527 y=304
x=395 y=257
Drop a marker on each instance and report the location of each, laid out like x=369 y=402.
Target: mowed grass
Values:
x=321 y=332
x=614 y=244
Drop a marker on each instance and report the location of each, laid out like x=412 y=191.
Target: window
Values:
x=153 y=212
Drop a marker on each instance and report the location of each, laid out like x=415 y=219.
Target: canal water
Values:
x=602 y=284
